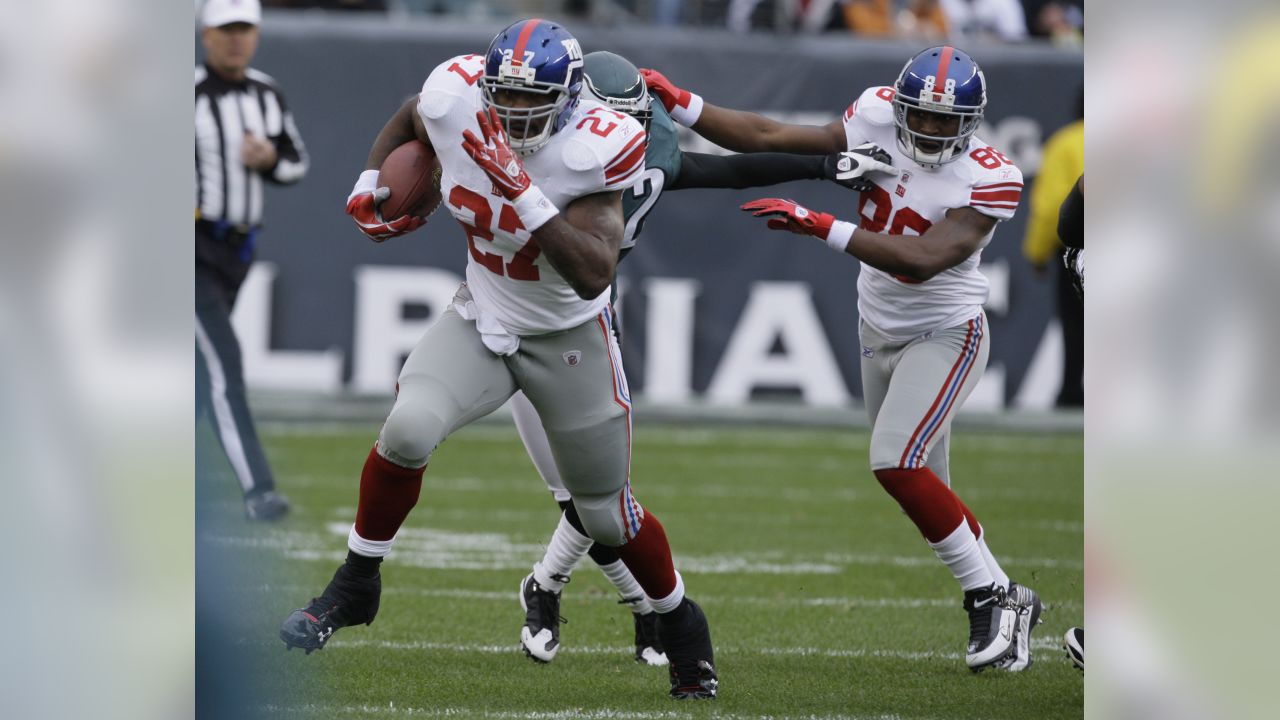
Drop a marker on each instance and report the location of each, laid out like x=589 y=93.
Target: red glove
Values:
x=684 y=107
x=362 y=206
x=787 y=215
x=494 y=155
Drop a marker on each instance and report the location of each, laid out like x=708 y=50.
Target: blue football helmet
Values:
x=948 y=83
x=542 y=59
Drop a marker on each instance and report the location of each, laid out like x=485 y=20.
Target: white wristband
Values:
x=534 y=208
x=688 y=116
x=367 y=182
x=840 y=234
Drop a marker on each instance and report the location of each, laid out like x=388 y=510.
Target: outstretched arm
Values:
x=848 y=169
x=701 y=170
x=743 y=131
x=918 y=257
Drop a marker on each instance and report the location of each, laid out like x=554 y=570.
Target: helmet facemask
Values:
x=951 y=146
x=547 y=116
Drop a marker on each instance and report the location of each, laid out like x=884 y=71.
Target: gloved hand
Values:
x=788 y=215
x=683 y=106
x=851 y=167
x=362 y=206
x=492 y=152
x=1073 y=260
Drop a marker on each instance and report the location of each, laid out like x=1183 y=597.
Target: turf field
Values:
x=823 y=599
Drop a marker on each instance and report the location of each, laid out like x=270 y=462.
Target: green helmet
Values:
x=614 y=81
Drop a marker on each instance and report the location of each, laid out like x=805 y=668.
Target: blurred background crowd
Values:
x=1058 y=21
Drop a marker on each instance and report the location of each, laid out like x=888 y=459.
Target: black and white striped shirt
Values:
x=225 y=189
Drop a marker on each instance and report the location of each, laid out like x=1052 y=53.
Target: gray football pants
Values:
x=914 y=388
x=575 y=380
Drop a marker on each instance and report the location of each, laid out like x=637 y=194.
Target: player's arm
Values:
x=362 y=204
x=919 y=257
x=1071 y=217
x=743 y=131
x=582 y=242
x=404 y=126
x=700 y=170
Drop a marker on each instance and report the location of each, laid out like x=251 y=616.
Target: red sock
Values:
x=648 y=557
x=387 y=493
x=929 y=503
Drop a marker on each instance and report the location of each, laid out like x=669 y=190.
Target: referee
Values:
x=245 y=136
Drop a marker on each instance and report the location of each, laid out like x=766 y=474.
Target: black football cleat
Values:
x=348 y=600
x=992 y=621
x=266 y=506
x=540 y=636
x=648 y=644
x=685 y=635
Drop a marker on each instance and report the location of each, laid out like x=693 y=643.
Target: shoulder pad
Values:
x=874 y=106
x=607 y=139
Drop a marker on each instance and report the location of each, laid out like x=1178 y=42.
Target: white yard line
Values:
x=392 y=709
x=1042 y=643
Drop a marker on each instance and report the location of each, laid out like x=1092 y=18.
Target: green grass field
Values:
x=823 y=599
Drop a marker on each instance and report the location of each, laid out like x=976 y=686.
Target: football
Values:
x=412 y=172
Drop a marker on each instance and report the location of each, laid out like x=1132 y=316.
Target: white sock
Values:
x=627 y=586
x=961 y=553
x=566 y=548
x=997 y=572
x=367 y=548
x=672 y=601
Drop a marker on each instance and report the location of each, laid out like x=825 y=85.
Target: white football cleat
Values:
x=1027 y=603
x=540 y=636
x=992 y=623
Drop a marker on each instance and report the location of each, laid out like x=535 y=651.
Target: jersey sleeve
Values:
x=872 y=110
x=626 y=165
x=454 y=78
x=605 y=152
x=997 y=191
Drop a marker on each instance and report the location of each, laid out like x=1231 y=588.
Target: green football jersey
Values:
x=662 y=167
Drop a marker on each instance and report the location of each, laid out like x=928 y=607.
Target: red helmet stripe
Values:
x=944 y=62
x=517 y=57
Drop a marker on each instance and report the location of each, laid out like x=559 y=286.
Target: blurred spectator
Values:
x=667 y=12
x=375 y=5
x=984 y=19
x=1060 y=21
x=805 y=15
x=915 y=19
x=1063 y=163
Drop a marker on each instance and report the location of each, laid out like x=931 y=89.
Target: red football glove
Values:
x=363 y=208
x=787 y=215
x=684 y=107
x=495 y=156
x=667 y=92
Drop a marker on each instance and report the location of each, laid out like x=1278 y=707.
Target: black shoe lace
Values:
x=548 y=605
x=980 y=623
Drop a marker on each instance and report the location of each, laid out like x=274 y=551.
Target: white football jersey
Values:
x=983 y=179
x=597 y=150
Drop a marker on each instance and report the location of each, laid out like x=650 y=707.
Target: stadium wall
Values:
x=715 y=308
